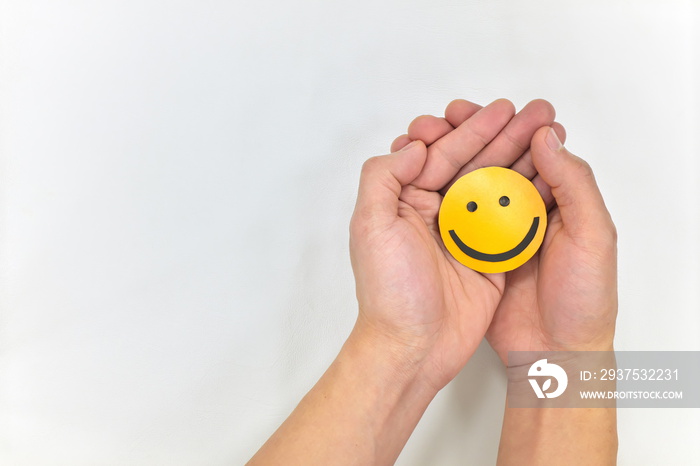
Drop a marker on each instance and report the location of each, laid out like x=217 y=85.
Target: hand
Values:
x=565 y=297
x=413 y=294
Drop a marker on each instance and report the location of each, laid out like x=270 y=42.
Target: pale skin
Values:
x=422 y=314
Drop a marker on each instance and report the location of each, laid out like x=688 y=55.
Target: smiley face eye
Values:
x=504 y=201
x=471 y=206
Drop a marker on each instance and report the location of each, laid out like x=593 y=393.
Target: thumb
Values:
x=383 y=177
x=573 y=184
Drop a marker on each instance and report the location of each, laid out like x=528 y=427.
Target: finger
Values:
x=428 y=128
x=400 y=142
x=560 y=130
x=450 y=153
x=524 y=164
x=543 y=188
x=573 y=186
x=514 y=140
x=381 y=181
x=459 y=110
x=545 y=191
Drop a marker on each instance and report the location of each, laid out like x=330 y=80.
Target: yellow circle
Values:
x=492 y=220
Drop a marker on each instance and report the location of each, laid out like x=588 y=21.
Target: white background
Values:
x=177 y=179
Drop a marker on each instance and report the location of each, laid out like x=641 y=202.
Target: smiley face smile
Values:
x=484 y=216
x=503 y=256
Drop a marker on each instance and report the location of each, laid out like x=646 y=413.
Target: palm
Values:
x=455 y=303
x=557 y=301
x=523 y=320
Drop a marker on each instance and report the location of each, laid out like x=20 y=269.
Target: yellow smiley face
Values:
x=492 y=220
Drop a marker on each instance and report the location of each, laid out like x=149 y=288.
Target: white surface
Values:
x=177 y=179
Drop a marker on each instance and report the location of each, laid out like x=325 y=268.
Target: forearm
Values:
x=542 y=436
x=361 y=411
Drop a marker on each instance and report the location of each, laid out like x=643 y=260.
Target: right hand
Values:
x=565 y=297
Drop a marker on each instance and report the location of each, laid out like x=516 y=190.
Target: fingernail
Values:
x=553 y=141
x=409 y=146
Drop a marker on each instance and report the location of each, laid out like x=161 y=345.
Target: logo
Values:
x=542 y=368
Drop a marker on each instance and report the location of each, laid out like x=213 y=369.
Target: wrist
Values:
x=375 y=385
x=394 y=361
x=601 y=343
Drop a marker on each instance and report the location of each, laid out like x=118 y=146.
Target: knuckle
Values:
x=481 y=136
x=441 y=152
x=520 y=146
x=358 y=223
x=355 y=225
x=370 y=165
x=603 y=238
x=583 y=168
x=362 y=224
